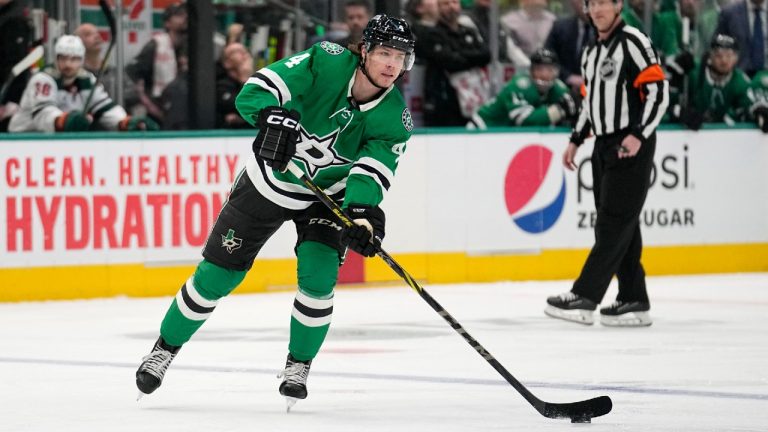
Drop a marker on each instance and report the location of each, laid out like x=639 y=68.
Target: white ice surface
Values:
x=390 y=363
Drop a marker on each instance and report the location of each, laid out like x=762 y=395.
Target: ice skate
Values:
x=294 y=384
x=153 y=366
x=571 y=307
x=626 y=314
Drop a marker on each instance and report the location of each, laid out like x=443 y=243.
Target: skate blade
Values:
x=289 y=403
x=580 y=316
x=629 y=319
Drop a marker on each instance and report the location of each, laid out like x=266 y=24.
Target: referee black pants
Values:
x=620 y=187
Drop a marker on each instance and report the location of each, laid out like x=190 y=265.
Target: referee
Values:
x=625 y=97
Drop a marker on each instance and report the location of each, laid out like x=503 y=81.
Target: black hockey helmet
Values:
x=544 y=56
x=390 y=32
x=723 y=41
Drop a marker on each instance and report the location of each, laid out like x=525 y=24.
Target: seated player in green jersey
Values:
x=537 y=98
x=758 y=98
x=338 y=117
x=717 y=89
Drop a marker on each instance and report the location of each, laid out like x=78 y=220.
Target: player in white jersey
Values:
x=55 y=98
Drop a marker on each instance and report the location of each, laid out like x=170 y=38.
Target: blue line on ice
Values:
x=413 y=378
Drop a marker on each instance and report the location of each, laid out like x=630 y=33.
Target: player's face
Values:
x=384 y=65
x=544 y=72
x=544 y=76
x=68 y=66
x=603 y=13
x=723 y=60
x=449 y=10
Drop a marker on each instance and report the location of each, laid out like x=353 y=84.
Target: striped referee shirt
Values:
x=624 y=87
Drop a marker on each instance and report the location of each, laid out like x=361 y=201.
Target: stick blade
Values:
x=579 y=411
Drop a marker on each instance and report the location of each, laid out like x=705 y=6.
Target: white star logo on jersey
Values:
x=318 y=152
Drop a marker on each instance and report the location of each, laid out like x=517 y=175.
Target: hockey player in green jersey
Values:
x=758 y=98
x=536 y=98
x=337 y=116
x=718 y=89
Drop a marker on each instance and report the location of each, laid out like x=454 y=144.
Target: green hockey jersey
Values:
x=350 y=150
x=720 y=101
x=758 y=89
x=519 y=103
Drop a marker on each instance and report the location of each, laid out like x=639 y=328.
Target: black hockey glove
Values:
x=367 y=219
x=761 y=118
x=691 y=118
x=276 y=140
x=685 y=61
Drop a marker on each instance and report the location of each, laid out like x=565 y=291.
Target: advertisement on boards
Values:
x=705 y=188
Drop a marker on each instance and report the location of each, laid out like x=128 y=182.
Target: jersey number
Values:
x=42 y=89
x=295 y=60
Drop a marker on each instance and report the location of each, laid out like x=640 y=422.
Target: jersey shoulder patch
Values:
x=407 y=119
x=522 y=82
x=332 y=48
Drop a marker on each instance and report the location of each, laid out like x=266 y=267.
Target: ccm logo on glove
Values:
x=284 y=121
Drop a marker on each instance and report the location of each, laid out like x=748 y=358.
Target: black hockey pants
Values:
x=620 y=187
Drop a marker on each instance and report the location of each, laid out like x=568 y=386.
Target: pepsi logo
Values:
x=534 y=189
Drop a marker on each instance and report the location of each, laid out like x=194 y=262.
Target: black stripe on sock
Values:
x=191 y=303
x=310 y=312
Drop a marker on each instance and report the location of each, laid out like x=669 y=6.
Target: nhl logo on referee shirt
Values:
x=608 y=68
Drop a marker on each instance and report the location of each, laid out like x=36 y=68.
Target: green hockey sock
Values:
x=196 y=300
x=318 y=268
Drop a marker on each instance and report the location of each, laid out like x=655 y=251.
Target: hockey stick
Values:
x=581 y=412
x=686 y=42
x=30 y=59
x=105 y=8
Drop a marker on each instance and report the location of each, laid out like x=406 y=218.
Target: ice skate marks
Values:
x=534 y=189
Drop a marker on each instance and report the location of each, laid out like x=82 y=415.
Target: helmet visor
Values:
x=408 y=60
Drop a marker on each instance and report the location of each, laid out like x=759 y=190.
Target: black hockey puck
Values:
x=584 y=419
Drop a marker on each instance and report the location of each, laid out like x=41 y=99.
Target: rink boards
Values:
x=102 y=215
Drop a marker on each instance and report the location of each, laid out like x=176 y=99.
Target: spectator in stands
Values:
x=718 y=89
x=63 y=97
x=422 y=15
x=15 y=37
x=758 y=98
x=422 y=12
x=567 y=38
x=175 y=97
x=479 y=17
x=537 y=98
x=452 y=51
x=93 y=42
x=530 y=25
x=745 y=21
x=156 y=65
x=238 y=63
x=357 y=13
